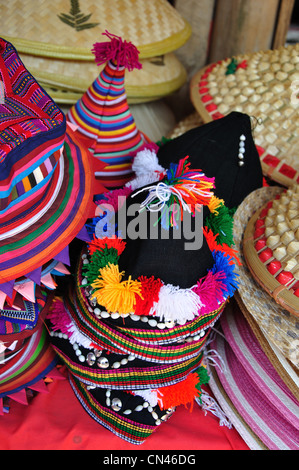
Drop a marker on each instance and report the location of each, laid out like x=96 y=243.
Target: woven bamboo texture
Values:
x=276 y=323
x=158 y=77
x=68 y=29
x=265 y=86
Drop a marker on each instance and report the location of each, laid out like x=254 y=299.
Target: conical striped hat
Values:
x=103 y=115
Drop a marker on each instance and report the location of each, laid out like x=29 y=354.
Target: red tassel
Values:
x=122 y=53
x=101 y=243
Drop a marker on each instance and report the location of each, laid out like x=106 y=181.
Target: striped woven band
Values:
x=34 y=360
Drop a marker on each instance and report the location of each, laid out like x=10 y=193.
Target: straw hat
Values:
x=67 y=29
x=68 y=79
x=263 y=85
x=253 y=385
x=271 y=247
x=134 y=348
x=277 y=324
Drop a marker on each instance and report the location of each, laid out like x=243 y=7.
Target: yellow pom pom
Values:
x=115 y=295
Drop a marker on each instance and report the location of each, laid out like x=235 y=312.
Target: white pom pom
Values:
x=176 y=304
x=146 y=161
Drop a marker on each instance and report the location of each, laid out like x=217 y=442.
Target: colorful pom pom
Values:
x=115 y=295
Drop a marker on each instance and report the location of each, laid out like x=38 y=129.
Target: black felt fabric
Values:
x=169 y=259
x=214 y=149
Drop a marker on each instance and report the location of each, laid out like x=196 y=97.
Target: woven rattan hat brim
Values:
x=158 y=77
x=276 y=323
x=253 y=442
x=288 y=373
x=262 y=85
x=68 y=29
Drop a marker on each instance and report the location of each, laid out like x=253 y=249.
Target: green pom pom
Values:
x=99 y=259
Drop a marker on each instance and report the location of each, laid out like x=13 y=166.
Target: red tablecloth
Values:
x=55 y=420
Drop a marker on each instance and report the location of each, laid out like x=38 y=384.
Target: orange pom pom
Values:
x=182 y=393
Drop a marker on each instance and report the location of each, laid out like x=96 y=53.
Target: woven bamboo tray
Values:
x=264 y=85
x=158 y=77
x=68 y=28
x=271 y=249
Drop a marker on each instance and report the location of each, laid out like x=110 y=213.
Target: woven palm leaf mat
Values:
x=68 y=28
x=264 y=85
x=158 y=77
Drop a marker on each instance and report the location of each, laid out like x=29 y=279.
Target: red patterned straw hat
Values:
x=257 y=392
x=103 y=116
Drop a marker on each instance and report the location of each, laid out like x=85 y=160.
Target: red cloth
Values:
x=56 y=421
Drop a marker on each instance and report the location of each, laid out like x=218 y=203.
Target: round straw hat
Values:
x=277 y=324
x=253 y=385
x=158 y=77
x=67 y=29
x=271 y=247
x=263 y=85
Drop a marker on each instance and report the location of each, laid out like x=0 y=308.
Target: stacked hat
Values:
x=263 y=85
x=133 y=327
x=256 y=379
x=47 y=185
x=55 y=42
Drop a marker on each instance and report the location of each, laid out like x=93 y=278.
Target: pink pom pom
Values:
x=122 y=53
x=210 y=291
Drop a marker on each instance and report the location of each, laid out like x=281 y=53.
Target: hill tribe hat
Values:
x=277 y=323
x=158 y=77
x=105 y=123
x=131 y=331
x=134 y=347
x=253 y=385
x=263 y=85
x=65 y=29
x=226 y=150
x=47 y=184
x=271 y=247
x=27 y=365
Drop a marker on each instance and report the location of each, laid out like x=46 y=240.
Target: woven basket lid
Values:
x=262 y=85
x=158 y=77
x=277 y=324
x=271 y=247
x=68 y=29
